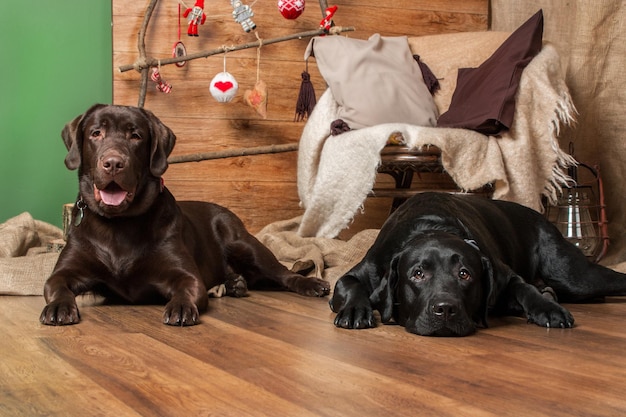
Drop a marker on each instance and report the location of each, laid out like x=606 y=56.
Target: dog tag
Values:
x=80 y=205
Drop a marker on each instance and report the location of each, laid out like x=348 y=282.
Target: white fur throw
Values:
x=335 y=173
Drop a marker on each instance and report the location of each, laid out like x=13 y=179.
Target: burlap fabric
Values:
x=26 y=254
x=591 y=39
x=315 y=256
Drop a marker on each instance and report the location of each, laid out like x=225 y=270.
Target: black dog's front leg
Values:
x=538 y=309
x=352 y=304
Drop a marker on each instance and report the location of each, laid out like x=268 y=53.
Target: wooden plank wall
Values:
x=260 y=189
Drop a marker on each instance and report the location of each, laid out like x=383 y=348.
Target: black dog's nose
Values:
x=113 y=164
x=444 y=309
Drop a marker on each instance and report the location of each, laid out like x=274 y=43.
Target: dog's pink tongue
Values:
x=113 y=198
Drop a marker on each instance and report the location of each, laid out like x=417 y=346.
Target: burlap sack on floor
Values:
x=26 y=254
x=315 y=256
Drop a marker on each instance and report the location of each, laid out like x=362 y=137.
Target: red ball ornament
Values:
x=291 y=9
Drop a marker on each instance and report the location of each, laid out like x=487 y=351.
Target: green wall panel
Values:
x=57 y=61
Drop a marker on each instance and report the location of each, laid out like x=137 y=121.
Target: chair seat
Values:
x=402 y=162
x=402 y=158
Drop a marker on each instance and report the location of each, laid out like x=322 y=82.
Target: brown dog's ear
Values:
x=383 y=297
x=163 y=140
x=73 y=139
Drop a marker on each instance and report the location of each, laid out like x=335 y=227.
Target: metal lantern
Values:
x=580 y=213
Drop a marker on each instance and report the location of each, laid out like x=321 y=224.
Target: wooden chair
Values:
x=403 y=163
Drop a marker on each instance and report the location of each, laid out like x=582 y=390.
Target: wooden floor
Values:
x=278 y=354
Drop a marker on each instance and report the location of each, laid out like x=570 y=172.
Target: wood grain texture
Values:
x=278 y=354
x=259 y=194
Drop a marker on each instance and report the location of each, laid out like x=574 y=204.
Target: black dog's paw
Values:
x=181 y=313
x=311 y=287
x=553 y=317
x=60 y=313
x=359 y=316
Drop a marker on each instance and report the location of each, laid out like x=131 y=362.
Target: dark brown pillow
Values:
x=484 y=98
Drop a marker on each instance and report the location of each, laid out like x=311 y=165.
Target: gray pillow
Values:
x=374 y=81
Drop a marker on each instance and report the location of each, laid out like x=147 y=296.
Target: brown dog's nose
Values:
x=112 y=164
x=444 y=309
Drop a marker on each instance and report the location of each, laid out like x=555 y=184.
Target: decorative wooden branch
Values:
x=323 y=6
x=144 y=63
x=141 y=46
x=229 y=153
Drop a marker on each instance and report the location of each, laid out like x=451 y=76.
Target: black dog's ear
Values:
x=73 y=138
x=383 y=297
x=163 y=140
x=488 y=287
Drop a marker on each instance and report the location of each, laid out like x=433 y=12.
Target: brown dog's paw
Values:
x=236 y=286
x=311 y=287
x=181 y=313
x=60 y=313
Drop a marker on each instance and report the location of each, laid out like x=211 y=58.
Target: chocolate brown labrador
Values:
x=132 y=243
x=442 y=262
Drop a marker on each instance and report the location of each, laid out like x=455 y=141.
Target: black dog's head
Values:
x=121 y=153
x=437 y=285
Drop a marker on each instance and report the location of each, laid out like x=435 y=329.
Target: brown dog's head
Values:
x=120 y=153
x=438 y=285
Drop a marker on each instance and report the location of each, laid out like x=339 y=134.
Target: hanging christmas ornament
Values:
x=179 y=49
x=327 y=21
x=291 y=9
x=162 y=86
x=257 y=97
x=242 y=13
x=196 y=17
x=223 y=86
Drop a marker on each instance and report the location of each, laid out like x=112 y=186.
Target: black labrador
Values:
x=442 y=262
x=132 y=243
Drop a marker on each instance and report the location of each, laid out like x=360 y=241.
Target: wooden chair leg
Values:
x=403 y=181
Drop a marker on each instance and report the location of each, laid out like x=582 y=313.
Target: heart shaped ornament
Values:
x=257 y=98
x=223 y=87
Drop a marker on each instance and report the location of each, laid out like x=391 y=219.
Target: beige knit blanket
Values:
x=336 y=173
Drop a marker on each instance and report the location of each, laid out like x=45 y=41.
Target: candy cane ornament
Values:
x=162 y=86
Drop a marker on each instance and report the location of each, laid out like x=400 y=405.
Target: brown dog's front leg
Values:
x=188 y=298
x=61 y=308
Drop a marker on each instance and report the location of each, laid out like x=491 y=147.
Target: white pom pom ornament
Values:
x=223 y=87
